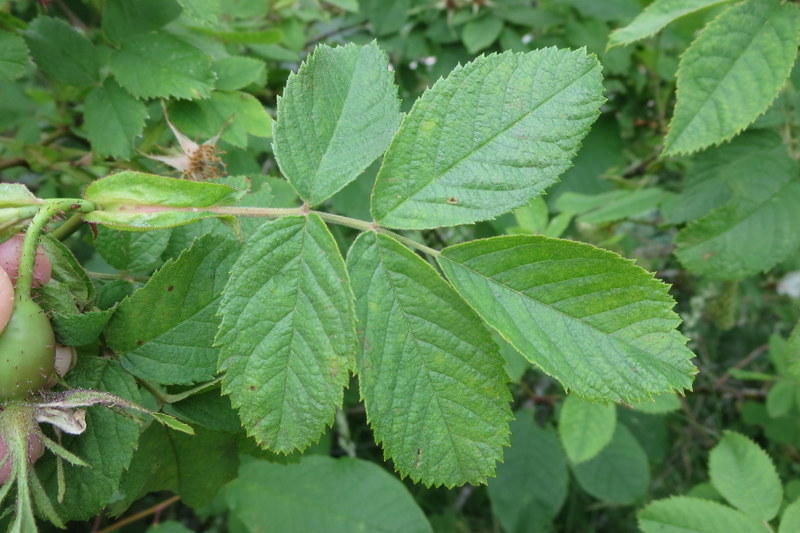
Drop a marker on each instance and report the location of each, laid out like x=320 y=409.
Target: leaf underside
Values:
x=431 y=377
x=596 y=322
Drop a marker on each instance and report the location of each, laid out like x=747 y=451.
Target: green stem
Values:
x=27 y=257
x=360 y=225
x=67 y=228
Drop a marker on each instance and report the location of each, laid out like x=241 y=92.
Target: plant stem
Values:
x=67 y=228
x=361 y=225
x=27 y=257
x=142 y=514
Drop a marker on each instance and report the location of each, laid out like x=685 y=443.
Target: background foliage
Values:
x=690 y=170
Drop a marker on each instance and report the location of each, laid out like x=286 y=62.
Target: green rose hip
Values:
x=27 y=350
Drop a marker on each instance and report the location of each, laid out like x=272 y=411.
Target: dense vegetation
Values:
x=409 y=265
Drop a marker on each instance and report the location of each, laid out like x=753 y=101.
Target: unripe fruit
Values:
x=27 y=350
x=6 y=299
x=35 y=450
x=10 y=251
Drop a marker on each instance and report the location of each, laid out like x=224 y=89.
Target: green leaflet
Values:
x=481 y=33
x=123 y=18
x=732 y=72
x=164 y=331
x=745 y=476
x=79 y=329
x=660 y=404
x=620 y=473
x=336 y=116
x=752 y=233
x=16 y=195
x=740 y=198
x=682 y=513
x=235 y=113
x=194 y=466
x=430 y=375
x=62 y=52
x=131 y=200
x=531 y=483
x=237 y=72
x=160 y=65
x=655 y=17
x=323 y=494
x=113 y=119
x=730 y=172
x=596 y=322
x=609 y=206
x=488 y=138
x=203 y=11
x=132 y=251
x=287 y=335
x=385 y=17
x=790 y=521
x=107 y=444
x=13 y=56
x=585 y=428
x=781 y=398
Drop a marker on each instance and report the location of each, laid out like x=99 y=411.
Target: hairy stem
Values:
x=361 y=225
x=28 y=256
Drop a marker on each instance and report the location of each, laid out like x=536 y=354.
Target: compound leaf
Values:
x=160 y=65
x=488 y=138
x=732 y=72
x=596 y=322
x=585 y=428
x=113 y=118
x=430 y=375
x=745 y=476
x=683 y=513
x=655 y=17
x=336 y=116
x=165 y=330
x=287 y=335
